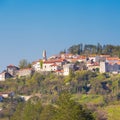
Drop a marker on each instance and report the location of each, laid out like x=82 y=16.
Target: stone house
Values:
x=5 y=75
x=25 y=72
x=109 y=67
x=11 y=69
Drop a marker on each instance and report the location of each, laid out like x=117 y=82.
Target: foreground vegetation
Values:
x=64 y=109
x=91 y=94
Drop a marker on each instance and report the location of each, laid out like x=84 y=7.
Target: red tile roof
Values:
x=54 y=64
x=11 y=65
x=112 y=58
x=53 y=61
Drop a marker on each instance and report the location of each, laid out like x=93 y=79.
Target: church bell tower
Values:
x=44 y=55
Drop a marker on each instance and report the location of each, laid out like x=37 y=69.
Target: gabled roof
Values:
x=11 y=66
x=112 y=58
x=53 y=61
x=60 y=71
x=2 y=73
x=118 y=63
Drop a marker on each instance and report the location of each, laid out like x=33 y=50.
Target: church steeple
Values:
x=44 y=55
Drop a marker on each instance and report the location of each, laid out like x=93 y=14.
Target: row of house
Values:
x=59 y=66
x=63 y=63
x=13 y=71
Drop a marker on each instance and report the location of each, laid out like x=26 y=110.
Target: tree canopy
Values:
x=95 y=49
x=24 y=64
x=64 y=109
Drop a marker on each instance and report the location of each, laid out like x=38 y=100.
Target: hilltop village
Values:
x=91 y=77
x=63 y=63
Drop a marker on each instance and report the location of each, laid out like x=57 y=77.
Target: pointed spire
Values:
x=44 y=55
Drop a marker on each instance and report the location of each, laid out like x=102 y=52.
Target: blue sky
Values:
x=29 y=26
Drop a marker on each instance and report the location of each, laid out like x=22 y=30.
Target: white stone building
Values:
x=67 y=68
x=50 y=66
x=37 y=65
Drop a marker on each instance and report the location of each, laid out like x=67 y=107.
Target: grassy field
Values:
x=113 y=112
x=3 y=118
x=95 y=99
